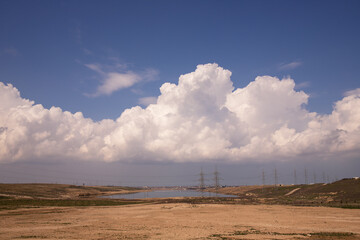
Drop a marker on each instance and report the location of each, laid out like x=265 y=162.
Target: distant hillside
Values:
x=57 y=191
x=343 y=193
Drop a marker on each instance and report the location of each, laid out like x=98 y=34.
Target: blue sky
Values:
x=45 y=44
x=103 y=57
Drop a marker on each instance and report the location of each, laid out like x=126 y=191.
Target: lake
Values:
x=167 y=194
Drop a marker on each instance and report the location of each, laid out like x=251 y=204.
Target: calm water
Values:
x=167 y=194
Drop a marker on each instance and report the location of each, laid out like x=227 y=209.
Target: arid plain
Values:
x=70 y=217
x=181 y=221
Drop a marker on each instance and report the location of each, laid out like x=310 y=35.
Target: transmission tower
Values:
x=216 y=179
x=314 y=177
x=275 y=177
x=306 y=176
x=295 y=179
x=263 y=178
x=202 y=180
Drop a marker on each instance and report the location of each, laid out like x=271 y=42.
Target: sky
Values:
x=149 y=92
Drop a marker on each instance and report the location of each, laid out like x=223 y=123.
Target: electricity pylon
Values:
x=202 y=180
x=216 y=179
x=263 y=178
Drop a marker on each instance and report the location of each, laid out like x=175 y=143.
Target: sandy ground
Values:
x=177 y=221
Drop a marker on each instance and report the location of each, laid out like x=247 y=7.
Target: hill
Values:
x=343 y=193
x=58 y=191
x=13 y=196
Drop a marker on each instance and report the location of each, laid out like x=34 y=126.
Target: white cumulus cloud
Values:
x=202 y=118
x=117 y=79
x=290 y=66
x=145 y=101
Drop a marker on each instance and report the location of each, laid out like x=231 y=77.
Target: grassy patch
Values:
x=43 y=190
x=247 y=232
x=343 y=194
x=333 y=234
x=18 y=203
x=317 y=235
x=30 y=236
x=215 y=235
x=350 y=206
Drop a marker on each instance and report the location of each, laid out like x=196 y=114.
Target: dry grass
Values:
x=59 y=191
x=344 y=193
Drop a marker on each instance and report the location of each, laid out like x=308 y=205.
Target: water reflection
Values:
x=168 y=194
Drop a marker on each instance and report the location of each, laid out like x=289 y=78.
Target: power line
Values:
x=263 y=178
x=201 y=180
x=216 y=179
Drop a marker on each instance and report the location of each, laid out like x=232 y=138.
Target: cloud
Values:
x=202 y=118
x=116 y=81
x=150 y=74
x=11 y=51
x=95 y=67
x=87 y=51
x=355 y=92
x=302 y=85
x=145 y=101
x=114 y=78
x=290 y=66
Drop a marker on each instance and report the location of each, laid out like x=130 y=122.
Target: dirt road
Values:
x=180 y=221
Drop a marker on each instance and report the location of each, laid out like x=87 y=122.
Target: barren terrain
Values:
x=53 y=211
x=181 y=221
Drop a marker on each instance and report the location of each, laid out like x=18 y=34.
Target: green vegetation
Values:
x=31 y=236
x=21 y=203
x=55 y=191
x=350 y=206
x=15 y=196
x=316 y=235
x=344 y=194
x=4 y=197
x=333 y=234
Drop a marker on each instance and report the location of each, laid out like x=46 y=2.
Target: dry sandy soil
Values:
x=180 y=221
